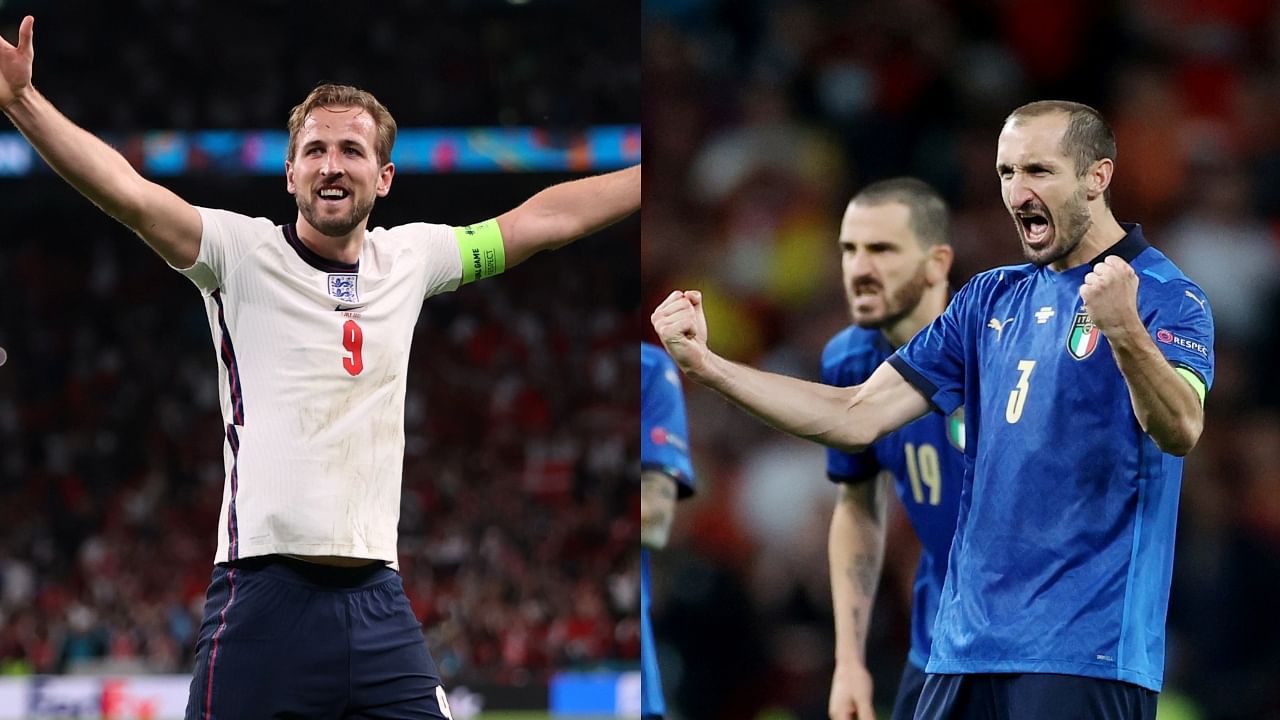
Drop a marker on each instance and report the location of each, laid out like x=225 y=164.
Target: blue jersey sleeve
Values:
x=840 y=369
x=934 y=359
x=664 y=428
x=1177 y=315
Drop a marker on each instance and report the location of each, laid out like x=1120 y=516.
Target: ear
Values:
x=385 y=176
x=1098 y=179
x=938 y=265
x=288 y=178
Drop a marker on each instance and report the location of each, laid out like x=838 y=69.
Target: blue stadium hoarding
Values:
x=165 y=153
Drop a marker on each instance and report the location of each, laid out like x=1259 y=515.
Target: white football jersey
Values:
x=312 y=357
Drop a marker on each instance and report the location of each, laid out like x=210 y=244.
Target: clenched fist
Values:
x=682 y=328
x=1110 y=294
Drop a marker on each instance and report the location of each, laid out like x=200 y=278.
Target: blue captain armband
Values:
x=481 y=250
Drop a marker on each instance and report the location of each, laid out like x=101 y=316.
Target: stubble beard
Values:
x=335 y=227
x=900 y=304
x=1076 y=222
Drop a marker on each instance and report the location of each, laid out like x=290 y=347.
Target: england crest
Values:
x=1084 y=336
x=343 y=288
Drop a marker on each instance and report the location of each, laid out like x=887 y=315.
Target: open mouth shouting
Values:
x=1035 y=226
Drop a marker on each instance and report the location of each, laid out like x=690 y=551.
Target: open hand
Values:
x=15 y=64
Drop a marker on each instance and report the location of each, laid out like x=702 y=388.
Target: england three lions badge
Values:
x=343 y=288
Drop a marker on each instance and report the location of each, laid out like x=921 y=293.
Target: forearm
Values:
x=813 y=411
x=563 y=213
x=855 y=551
x=91 y=166
x=1167 y=407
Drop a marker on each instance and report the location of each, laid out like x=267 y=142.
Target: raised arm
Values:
x=1167 y=406
x=847 y=419
x=563 y=213
x=165 y=221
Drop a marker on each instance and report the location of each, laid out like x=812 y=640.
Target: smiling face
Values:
x=1043 y=191
x=334 y=174
x=883 y=263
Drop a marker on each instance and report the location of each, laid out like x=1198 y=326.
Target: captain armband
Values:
x=1192 y=379
x=480 y=247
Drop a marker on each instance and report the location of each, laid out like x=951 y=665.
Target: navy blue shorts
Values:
x=283 y=638
x=909 y=687
x=1033 y=695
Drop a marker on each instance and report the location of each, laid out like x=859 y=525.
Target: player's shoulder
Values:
x=986 y=286
x=854 y=343
x=1160 y=276
x=654 y=359
x=409 y=232
x=219 y=219
x=1001 y=276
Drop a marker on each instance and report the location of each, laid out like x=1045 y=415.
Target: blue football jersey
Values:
x=1063 y=551
x=926 y=460
x=664 y=446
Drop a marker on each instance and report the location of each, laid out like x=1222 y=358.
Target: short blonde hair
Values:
x=330 y=96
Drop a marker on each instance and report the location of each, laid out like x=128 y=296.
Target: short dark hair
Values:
x=1088 y=138
x=927 y=213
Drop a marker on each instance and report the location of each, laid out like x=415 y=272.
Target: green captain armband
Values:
x=1193 y=380
x=480 y=247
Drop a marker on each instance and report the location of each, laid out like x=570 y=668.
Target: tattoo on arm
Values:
x=862 y=572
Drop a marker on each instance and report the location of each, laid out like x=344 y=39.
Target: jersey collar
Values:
x=313 y=259
x=1129 y=247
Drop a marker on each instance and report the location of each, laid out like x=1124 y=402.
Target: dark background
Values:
x=518 y=520
x=763 y=117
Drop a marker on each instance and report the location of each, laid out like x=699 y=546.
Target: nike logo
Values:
x=344 y=308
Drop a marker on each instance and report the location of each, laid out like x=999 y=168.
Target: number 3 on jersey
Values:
x=1018 y=398
x=353 y=341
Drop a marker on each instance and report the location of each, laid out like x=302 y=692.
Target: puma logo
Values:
x=998 y=326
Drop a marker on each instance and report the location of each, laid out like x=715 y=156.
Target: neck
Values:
x=1104 y=231
x=930 y=306
x=344 y=249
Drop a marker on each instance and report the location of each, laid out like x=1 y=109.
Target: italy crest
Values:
x=955 y=428
x=1084 y=336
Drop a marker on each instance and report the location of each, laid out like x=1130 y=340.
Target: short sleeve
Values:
x=933 y=361
x=1178 y=317
x=839 y=370
x=664 y=427
x=226 y=238
x=436 y=249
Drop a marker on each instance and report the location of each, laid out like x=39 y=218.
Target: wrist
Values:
x=1124 y=335
x=710 y=371
x=847 y=664
x=21 y=102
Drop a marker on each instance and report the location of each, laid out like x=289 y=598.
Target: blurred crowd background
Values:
x=763 y=117
x=519 y=516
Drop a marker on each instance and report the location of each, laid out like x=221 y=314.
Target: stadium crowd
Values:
x=518 y=518
x=765 y=118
